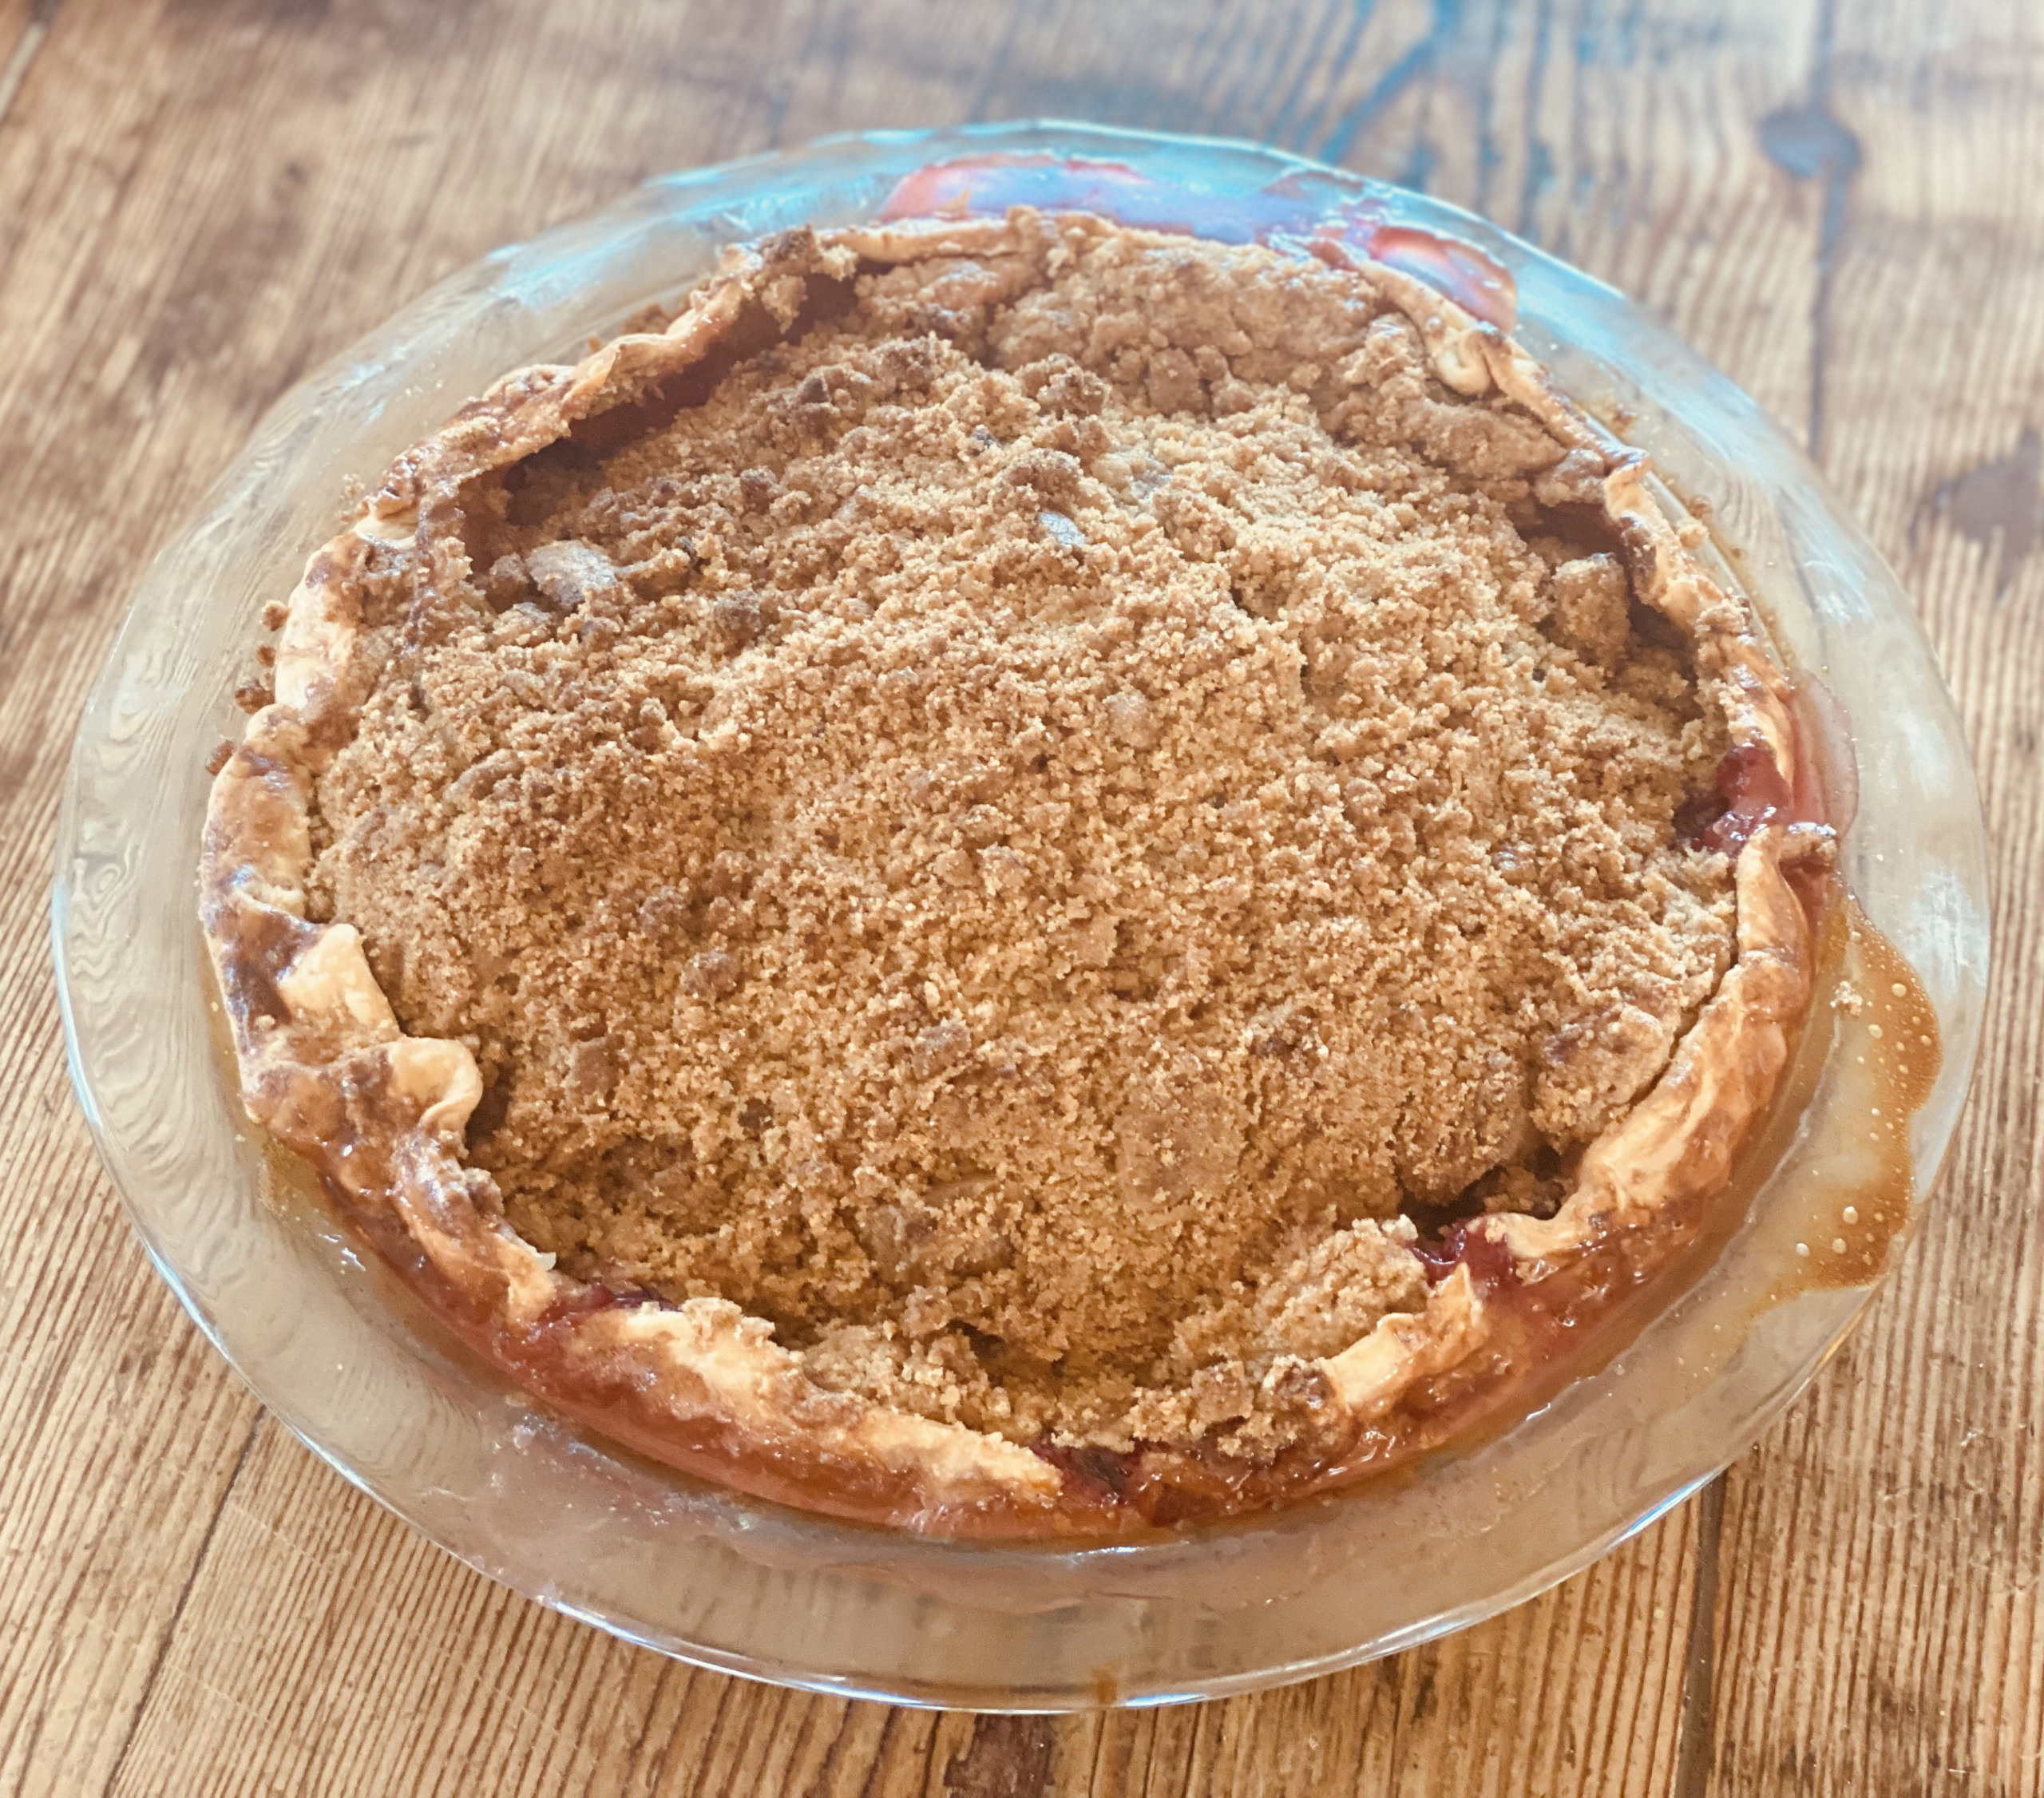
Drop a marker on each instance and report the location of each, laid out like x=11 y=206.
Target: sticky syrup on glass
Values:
x=1867 y=1060
x=1857 y=1181
x=1816 y=1200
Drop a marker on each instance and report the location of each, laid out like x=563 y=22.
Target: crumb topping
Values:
x=1036 y=833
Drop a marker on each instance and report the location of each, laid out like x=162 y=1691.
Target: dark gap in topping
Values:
x=1437 y=1220
x=1533 y=1184
x=540 y=474
x=1489 y=1261
x=533 y=485
x=754 y=330
x=1697 y=814
x=1106 y=1470
x=1584 y=528
x=793 y=1331
x=488 y=1118
x=987 y=1347
x=1587 y=532
x=1654 y=631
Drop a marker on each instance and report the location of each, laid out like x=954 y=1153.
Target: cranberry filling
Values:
x=593 y=1297
x=1284 y=212
x=1754 y=794
x=1750 y=791
x=1747 y=792
x=1697 y=814
x=986 y=186
x=1106 y=1470
x=1489 y=1261
x=1475 y=283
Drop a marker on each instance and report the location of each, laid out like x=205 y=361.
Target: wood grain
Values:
x=1882 y=1551
x=24 y=24
x=201 y=199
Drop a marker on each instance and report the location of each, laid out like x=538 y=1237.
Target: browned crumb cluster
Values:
x=1028 y=833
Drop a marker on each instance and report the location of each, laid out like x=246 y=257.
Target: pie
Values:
x=1020 y=877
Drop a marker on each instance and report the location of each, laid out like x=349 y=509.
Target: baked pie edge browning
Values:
x=325 y=1066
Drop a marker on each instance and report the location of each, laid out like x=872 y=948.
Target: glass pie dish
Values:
x=331 y=1340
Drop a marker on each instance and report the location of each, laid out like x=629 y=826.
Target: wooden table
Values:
x=1836 y=199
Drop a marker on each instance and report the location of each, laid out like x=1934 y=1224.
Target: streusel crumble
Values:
x=1023 y=826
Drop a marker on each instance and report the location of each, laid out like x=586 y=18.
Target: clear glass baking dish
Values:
x=339 y=1351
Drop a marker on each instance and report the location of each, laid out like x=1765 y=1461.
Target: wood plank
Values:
x=1547 y=1698
x=1883 y=1549
x=197 y=203
x=1624 y=142
x=122 y=1428
x=24 y=24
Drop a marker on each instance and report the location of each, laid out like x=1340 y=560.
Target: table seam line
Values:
x=177 y=1611
x=1696 y=1721
x=14 y=71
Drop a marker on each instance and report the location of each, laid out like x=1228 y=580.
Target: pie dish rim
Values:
x=280 y=1297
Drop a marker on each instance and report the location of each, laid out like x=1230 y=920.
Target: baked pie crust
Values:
x=703 y=1383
